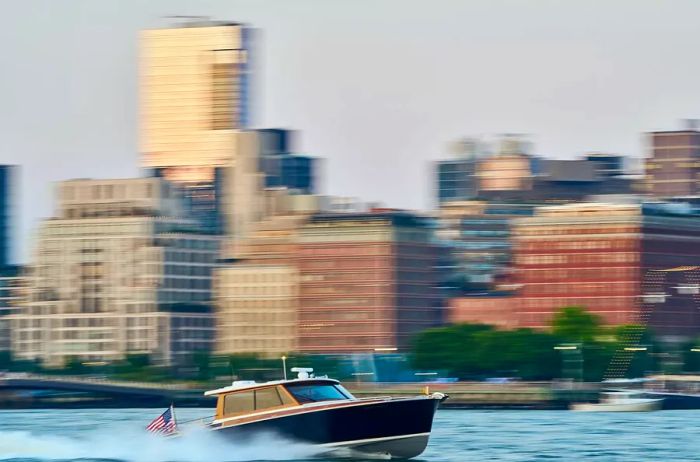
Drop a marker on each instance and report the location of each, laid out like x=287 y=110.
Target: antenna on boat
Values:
x=303 y=372
x=284 y=366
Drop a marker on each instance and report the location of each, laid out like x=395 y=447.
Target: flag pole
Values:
x=172 y=410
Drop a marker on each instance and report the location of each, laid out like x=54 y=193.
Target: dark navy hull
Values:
x=398 y=427
x=675 y=400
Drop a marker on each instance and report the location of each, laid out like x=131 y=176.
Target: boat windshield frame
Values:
x=316 y=392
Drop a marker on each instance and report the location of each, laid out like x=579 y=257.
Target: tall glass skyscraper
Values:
x=281 y=167
x=194 y=102
x=194 y=97
x=7 y=174
x=194 y=122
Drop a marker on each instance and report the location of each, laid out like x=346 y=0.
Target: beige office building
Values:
x=116 y=272
x=243 y=200
x=256 y=309
x=257 y=298
x=194 y=86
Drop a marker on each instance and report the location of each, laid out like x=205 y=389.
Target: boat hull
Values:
x=642 y=405
x=676 y=400
x=399 y=428
x=671 y=400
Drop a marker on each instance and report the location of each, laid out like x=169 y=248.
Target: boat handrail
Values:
x=380 y=398
x=210 y=419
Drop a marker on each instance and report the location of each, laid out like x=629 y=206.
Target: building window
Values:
x=224 y=95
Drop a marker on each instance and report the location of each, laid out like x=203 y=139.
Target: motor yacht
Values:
x=620 y=401
x=320 y=411
x=676 y=391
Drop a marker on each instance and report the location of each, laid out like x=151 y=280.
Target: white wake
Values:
x=131 y=445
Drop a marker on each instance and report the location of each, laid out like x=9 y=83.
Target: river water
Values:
x=458 y=435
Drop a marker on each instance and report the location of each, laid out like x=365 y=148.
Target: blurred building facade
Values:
x=117 y=271
x=513 y=174
x=257 y=308
x=368 y=281
x=478 y=235
x=604 y=257
x=235 y=181
x=673 y=168
x=194 y=96
x=494 y=309
x=456 y=179
x=455 y=176
x=283 y=168
x=258 y=292
x=194 y=87
x=10 y=300
x=257 y=295
x=504 y=174
x=608 y=165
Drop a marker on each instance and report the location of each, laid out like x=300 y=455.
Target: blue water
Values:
x=458 y=435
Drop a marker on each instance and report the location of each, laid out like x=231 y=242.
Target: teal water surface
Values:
x=458 y=435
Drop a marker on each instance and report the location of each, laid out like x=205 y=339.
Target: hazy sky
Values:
x=377 y=87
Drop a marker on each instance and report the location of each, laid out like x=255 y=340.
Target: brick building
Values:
x=368 y=281
x=608 y=258
x=496 y=310
x=673 y=168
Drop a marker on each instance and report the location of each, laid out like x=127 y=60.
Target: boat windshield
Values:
x=311 y=393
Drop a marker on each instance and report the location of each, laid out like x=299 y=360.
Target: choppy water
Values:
x=459 y=435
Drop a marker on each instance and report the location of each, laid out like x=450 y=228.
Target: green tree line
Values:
x=576 y=346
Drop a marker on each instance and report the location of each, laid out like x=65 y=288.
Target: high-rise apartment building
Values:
x=194 y=84
x=673 y=168
x=117 y=271
x=609 y=259
x=368 y=281
x=194 y=116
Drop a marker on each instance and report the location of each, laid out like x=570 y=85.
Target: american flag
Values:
x=164 y=423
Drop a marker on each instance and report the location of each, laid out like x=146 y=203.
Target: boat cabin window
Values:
x=254 y=400
x=310 y=393
x=270 y=397
x=237 y=403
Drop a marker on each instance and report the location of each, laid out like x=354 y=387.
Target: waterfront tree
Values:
x=474 y=351
x=575 y=324
x=453 y=349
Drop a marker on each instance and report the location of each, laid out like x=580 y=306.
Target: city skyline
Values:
x=316 y=62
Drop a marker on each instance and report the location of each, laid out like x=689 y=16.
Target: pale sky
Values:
x=377 y=87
